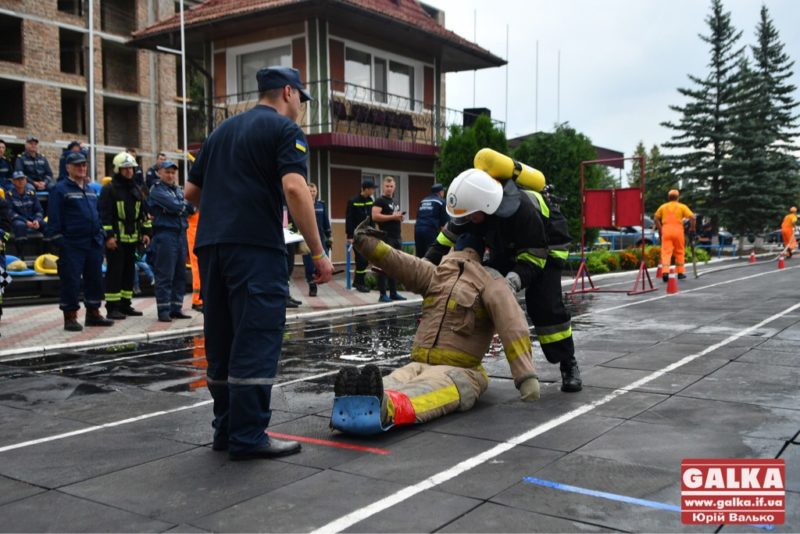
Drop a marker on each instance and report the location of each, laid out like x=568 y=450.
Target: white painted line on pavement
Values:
x=356 y=516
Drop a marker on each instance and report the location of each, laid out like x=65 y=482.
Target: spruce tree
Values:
x=703 y=129
x=658 y=177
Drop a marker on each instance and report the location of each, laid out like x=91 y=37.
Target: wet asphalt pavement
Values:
x=118 y=438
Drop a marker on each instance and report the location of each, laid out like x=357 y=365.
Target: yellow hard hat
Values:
x=46 y=264
x=106 y=180
x=17 y=265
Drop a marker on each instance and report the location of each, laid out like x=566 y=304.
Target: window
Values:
x=73 y=112
x=120 y=68
x=10 y=39
x=71 y=47
x=73 y=7
x=13 y=104
x=379 y=79
x=247 y=65
x=121 y=122
x=118 y=16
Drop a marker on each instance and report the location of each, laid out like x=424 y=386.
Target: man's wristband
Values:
x=319 y=256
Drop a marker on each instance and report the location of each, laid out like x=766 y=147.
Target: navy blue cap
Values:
x=167 y=164
x=436 y=188
x=75 y=158
x=18 y=174
x=31 y=137
x=73 y=144
x=279 y=77
x=367 y=182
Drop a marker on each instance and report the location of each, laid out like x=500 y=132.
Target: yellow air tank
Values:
x=501 y=167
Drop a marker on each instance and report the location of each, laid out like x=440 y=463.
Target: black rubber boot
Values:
x=113 y=312
x=360 y=284
x=370 y=382
x=71 y=323
x=95 y=318
x=571 y=376
x=346 y=382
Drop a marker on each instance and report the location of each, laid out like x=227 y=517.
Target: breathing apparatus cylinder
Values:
x=501 y=167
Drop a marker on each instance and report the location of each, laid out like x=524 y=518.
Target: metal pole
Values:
x=474 y=40
x=506 y=125
x=92 y=147
x=183 y=95
x=558 y=90
x=536 y=93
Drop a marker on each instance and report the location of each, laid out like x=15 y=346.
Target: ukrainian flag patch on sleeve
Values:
x=300 y=145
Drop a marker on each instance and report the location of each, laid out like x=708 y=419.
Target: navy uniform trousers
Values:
x=169 y=267
x=76 y=261
x=244 y=291
x=424 y=237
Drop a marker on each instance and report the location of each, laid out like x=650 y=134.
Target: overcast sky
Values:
x=621 y=60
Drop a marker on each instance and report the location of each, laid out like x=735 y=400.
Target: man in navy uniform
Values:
x=242 y=256
x=431 y=218
x=35 y=166
x=358 y=209
x=27 y=215
x=75 y=228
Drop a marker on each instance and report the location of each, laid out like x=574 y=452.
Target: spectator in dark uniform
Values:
x=389 y=218
x=6 y=168
x=324 y=227
x=138 y=175
x=431 y=217
x=5 y=235
x=151 y=177
x=35 y=166
x=74 y=226
x=27 y=215
x=169 y=210
x=73 y=146
x=242 y=256
x=358 y=209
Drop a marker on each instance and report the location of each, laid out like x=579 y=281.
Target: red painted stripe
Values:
x=329 y=443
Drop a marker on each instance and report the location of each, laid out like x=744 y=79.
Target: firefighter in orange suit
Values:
x=787 y=230
x=191 y=232
x=464 y=304
x=669 y=223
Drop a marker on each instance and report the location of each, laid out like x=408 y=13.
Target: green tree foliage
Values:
x=659 y=177
x=703 y=130
x=458 y=151
x=762 y=172
x=558 y=155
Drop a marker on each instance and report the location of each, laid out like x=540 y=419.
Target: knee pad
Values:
x=357 y=414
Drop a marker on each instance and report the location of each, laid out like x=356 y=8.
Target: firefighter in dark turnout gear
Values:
x=358 y=209
x=528 y=240
x=125 y=224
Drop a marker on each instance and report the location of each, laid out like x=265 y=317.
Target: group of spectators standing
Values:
x=131 y=213
x=431 y=218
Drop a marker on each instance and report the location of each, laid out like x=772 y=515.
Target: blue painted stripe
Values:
x=613 y=496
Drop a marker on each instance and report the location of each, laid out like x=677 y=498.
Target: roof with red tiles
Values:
x=406 y=12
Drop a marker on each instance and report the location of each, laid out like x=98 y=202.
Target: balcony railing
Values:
x=340 y=107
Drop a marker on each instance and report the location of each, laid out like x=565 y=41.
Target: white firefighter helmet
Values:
x=473 y=190
x=123 y=160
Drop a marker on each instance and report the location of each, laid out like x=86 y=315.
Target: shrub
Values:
x=628 y=259
x=653 y=255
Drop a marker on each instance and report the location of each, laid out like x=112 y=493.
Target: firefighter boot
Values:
x=113 y=311
x=360 y=284
x=370 y=382
x=95 y=318
x=346 y=382
x=571 y=376
x=71 y=323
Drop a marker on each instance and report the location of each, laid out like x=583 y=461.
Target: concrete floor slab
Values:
x=56 y=512
x=746 y=419
x=62 y=462
x=14 y=490
x=614 y=378
x=791 y=523
x=768 y=385
x=771 y=357
x=30 y=425
x=491 y=517
x=186 y=486
x=662 y=446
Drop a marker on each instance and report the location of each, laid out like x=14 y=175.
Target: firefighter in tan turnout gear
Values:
x=464 y=305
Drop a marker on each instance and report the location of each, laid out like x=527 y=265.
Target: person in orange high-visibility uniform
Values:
x=787 y=230
x=669 y=223
x=191 y=232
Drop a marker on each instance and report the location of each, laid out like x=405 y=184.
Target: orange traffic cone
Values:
x=753 y=256
x=781 y=263
x=672 y=283
x=660 y=271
